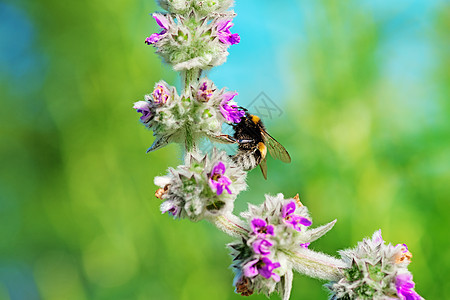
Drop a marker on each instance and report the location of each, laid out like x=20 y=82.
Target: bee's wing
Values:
x=263 y=166
x=276 y=149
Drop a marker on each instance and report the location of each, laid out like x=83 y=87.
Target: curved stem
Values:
x=316 y=264
x=231 y=225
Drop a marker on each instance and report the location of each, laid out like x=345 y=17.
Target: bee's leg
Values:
x=225 y=138
x=244 y=141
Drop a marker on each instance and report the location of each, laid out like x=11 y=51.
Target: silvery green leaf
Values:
x=315 y=233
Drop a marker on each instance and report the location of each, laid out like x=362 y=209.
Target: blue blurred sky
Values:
x=20 y=64
x=271 y=31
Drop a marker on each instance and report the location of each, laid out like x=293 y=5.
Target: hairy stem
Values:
x=316 y=264
x=189 y=142
x=190 y=77
x=231 y=225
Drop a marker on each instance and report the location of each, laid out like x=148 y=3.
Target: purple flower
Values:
x=203 y=93
x=305 y=245
x=170 y=207
x=230 y=112
x=292 y=219
x=404 y=248
x=250 y=268
x=260 y=228
x=152 y=39
x=224 y=33
x=405 y=286
x=261 y=246
x=161 y=94
x=143 y=107
x=288 y=209
x=163 y=23
x=217 y=180
x=263 y=266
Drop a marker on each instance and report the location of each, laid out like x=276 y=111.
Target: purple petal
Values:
x=295 y=221
x=250 y=269
x=265 y=269
x=305 y=245
x=405 y=248
x=162 y=21
x=219 y=189
x=260 y=227
x=276 y=277
x=288 y=209
x=217 y=180
x=224 y=25
x=219 y=168
x=305 y=221
x=203 y=92
x=265 y=272
x=225 y=182
x=213 y=184
x=270 y=230
x=143 y=107
x=228 y=96
x=228 y=189
x=154 y=38
x=170 y=207
x=204 y=86
x=224 y=33
x=257 y=224
x=161 y=94
x=230 y=113
x=261 y=246
x=405 y=285
x=234 y=39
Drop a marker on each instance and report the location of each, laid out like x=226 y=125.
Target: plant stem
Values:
x=189 y=142
x=316 y=264
x=231 y=225
x=190 y=77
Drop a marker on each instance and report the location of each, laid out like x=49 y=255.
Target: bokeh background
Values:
x=363 y=92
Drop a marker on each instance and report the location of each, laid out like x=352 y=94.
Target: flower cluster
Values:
x=203 y=188
x=201 y=111
x=262 y=260
x=375 y=271
x=194 y=34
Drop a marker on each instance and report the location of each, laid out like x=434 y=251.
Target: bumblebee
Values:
x=253 y=141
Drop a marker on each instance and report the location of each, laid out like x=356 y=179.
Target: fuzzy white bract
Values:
x=196 y=114
x=375 y=271
x=205 y=187
x=192 y=33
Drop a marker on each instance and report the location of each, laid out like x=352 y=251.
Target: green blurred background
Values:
x=363 y=90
